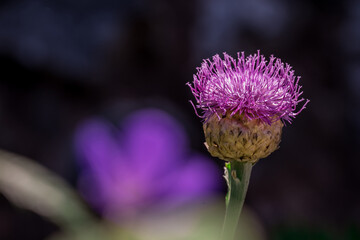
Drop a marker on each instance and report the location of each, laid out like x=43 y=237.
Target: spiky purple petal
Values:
x=251 y=86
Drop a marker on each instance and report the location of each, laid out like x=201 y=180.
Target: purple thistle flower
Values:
x=251 y=86
x=146 y=165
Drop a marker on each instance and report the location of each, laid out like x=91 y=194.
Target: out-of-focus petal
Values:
x=154 y=140
x=196 y=179
x=101 y=157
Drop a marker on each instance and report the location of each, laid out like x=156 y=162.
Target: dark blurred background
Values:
x=63 y=61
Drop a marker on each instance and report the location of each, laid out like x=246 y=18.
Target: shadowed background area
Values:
x=64 y=62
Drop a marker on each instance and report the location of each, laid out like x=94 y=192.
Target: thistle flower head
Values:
x=249 y=86
x=244 y=102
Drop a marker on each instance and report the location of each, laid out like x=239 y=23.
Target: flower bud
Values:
x=238 y=138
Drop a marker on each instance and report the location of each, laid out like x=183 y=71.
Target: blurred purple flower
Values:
x=145 y=165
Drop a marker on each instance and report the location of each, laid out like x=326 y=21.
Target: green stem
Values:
x=237 y=175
